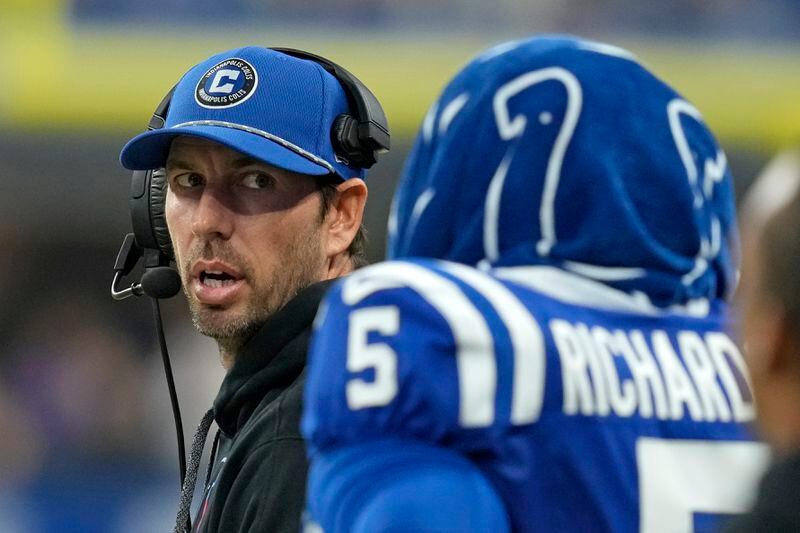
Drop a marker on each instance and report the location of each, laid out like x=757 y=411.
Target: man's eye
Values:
x=188 y=180
x=258 y=180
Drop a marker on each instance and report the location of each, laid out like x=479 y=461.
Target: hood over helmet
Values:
x=564 y=152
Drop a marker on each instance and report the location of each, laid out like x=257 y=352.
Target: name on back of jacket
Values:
x=651 y=373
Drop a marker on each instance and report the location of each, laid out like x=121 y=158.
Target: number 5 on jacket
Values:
x=475 y=353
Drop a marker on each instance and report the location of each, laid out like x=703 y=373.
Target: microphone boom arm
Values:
x=158 y=281
x=129 y=254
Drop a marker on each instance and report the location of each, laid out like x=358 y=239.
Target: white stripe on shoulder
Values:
x=474 y=344
x=526 y=338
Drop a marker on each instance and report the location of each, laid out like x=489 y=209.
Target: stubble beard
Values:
x=300 y=266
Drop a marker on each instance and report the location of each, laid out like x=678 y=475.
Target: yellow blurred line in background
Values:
x=747 y=94
x=88 y=78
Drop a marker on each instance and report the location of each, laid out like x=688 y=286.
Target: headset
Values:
x=357 y=139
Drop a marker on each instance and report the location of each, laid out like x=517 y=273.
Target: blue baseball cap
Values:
x=276 y=108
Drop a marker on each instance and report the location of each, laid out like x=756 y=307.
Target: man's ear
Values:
x=345 y=215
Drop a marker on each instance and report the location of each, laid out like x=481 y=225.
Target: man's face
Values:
x=246 y=236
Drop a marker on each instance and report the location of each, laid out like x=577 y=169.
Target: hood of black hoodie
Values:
x=270 y=361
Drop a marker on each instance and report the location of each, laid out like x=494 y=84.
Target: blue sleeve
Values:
x=406 y=345
x=400 y=486
x=383 y=407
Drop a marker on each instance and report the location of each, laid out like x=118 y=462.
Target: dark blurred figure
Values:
x=770 y=303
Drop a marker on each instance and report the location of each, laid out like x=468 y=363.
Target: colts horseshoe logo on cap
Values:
x=226 y=84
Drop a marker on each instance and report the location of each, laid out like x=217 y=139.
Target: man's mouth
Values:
x=216 y=283
x=216 y=278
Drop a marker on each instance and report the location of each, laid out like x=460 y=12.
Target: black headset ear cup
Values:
x=158 y=220
x=346 y=145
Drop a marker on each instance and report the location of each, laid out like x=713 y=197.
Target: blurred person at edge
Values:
x=769 y=298
x=550 y=346
x=263 y=211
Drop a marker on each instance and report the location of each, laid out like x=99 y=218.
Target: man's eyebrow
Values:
x=177 y=163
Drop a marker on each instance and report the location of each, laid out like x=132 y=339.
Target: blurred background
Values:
x=86 y=436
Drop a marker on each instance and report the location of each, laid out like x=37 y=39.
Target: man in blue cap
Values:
x=550 y=349
x=265 y=154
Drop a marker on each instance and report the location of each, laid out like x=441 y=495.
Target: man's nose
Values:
x=212 y=217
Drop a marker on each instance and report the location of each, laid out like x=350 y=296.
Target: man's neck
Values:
x=229 y=347
x=338 y=266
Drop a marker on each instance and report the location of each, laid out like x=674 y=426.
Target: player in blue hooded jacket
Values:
x=550 y=348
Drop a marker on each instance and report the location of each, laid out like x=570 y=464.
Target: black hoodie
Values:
x=258 y=477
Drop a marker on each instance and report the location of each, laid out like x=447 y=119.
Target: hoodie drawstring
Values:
x=182 y=523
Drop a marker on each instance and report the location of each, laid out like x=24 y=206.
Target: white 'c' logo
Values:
x=227 y=75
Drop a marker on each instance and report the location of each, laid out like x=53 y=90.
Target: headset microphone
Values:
x=161 y=282
x=157 y=282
